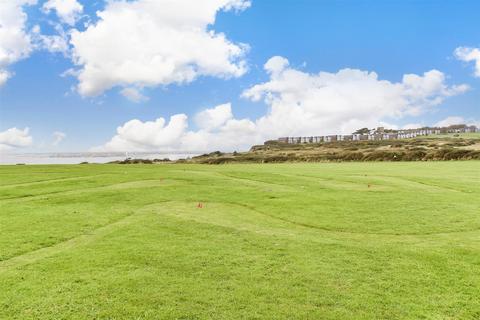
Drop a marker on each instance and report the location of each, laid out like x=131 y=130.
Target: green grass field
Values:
x=469 y=135
x=280 y=241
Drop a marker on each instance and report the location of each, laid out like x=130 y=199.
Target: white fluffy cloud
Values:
x=15 y=41
x=217 y=130
x=58 y=137
x=67 y=10
x=469 y=55
x=150 y=135
x=15 y=138
x=298 y=103
x=308 y=104
x=214 y=118
x=147 y=43
x=275 y=65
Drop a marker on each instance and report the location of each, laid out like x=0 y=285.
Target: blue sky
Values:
x=390 y=38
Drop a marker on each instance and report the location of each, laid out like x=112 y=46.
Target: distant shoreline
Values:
x=90 y=157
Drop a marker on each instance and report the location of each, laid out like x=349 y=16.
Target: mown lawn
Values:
x=280 y=241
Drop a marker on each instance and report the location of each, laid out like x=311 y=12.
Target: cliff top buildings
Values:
x=381 y=133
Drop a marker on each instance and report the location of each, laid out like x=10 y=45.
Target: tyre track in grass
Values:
x=259 y=183
x=23 y=184
x=245 y=181
x=144 y=211
x=81 y=240
x=362 y=180
x=406 y=182
x=432 y=185
x=113 y=186
x=261 y=223
x=336 y=184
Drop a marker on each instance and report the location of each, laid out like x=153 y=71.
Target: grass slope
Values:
x=464 y=146
x=284 y=241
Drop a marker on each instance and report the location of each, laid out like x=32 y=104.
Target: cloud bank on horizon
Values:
x=134 y=45
x=298 y=103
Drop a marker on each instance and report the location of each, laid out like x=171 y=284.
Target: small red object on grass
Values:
x=200 y=205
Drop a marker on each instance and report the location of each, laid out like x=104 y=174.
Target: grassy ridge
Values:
x=429 y=148
x=285 y=241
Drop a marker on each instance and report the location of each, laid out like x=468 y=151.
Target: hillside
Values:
x=435 y=147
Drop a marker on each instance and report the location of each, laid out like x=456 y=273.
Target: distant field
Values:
x=396 y=240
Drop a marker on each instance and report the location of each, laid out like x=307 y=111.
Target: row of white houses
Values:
x=380 y=134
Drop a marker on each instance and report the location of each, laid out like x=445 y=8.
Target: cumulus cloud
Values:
x=210 y=119
x=58 y=137
x=298 y=103
x=67 y=10
x=147 y=43
x=217 y=130
x=15 y=138
x=133 y=94
x=275 y=65
x=15 y=41
x=150 y=135
x=467 y=54
x=308 y=104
